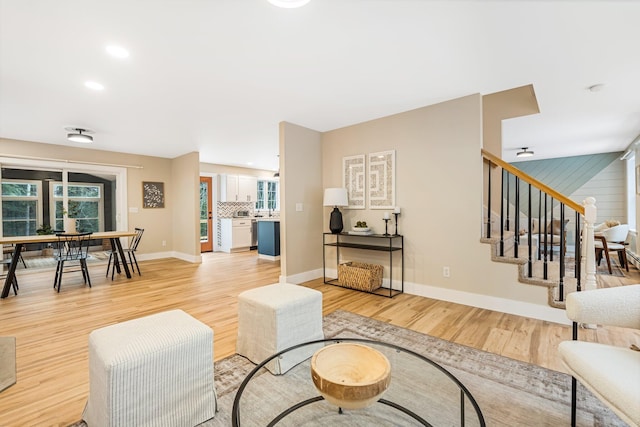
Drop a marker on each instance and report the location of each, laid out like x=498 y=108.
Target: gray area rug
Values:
x=7 y=362
x=37 y=262
x=509 y=392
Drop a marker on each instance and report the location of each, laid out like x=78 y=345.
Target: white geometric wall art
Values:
x=382 y=180
x=353 y=180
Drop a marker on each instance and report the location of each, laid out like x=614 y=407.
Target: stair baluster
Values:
x=544 y=267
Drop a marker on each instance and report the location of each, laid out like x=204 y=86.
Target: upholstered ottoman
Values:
x=152 y=371
x=275 y=317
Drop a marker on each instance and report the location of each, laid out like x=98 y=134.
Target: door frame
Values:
x=209 y=246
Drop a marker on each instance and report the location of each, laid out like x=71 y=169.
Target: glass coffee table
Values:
x=420 y=393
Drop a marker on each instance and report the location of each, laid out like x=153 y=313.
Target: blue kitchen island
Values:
x=269 y=238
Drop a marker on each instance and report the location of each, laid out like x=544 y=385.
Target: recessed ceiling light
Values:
x=289 y=4
x=94 y=85
x=525 y=152
x=249 y=163
x=117 y=51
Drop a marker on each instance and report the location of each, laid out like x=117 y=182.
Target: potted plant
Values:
x=43 y=230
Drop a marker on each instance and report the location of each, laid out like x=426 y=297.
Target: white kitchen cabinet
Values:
x=235 y=234
x=247 y=188
x=228 y=188
x=238 y=188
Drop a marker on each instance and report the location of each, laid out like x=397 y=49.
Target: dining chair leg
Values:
x=134 y=261
x=109 y=264
x=116 y=264
x=622 y=255
x=59 y=275
x=85 y=271
x=606 y=255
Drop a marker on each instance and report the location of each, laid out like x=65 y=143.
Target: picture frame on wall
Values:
x=381 y=180
x=353 y=179
x=152 y=195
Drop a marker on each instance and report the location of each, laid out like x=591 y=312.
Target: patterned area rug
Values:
x=48 y=262
x=509 y=392
x=7 y=362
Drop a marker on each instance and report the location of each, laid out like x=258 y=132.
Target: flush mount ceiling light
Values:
x=525 y=152
x=289 y=4
x=79 y=135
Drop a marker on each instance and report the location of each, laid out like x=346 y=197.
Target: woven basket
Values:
x=360 y=276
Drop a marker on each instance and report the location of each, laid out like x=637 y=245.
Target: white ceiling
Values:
x=217 y=76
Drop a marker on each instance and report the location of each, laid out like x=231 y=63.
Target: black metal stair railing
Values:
x=517 y=198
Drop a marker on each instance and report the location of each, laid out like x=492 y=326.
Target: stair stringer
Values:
x=537 y=279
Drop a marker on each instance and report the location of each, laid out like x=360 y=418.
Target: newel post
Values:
x=588 y=246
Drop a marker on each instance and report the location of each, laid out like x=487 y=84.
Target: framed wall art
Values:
x=353 y=180
x=152 y=194
x=382 y=180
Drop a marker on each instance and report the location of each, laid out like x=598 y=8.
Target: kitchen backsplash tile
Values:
x=227 y=209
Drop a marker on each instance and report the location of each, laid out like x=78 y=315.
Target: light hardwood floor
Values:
x=52 y=329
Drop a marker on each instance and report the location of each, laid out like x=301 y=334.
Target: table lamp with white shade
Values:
x=335 y=197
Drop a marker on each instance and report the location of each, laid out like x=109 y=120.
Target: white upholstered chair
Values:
x=611 y=373
x=615 y=238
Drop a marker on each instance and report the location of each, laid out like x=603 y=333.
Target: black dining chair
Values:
x=72 y=250
x=130 y=252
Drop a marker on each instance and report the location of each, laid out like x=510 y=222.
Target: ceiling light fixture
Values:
x=525 y=152
x=117 y=51
x=79 y=135
x=94 y=85
x=289 y=4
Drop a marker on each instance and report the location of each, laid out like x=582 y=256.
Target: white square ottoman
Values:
x=152 y=371
x=275 y=317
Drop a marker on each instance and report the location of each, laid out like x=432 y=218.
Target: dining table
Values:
x=20 y=241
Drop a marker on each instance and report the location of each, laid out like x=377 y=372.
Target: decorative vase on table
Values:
x=70 y=225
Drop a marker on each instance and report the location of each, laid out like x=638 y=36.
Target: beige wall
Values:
x=439 y=190
x=301 y=183
x=185 y=184
x=158 y=223
x=210 y=169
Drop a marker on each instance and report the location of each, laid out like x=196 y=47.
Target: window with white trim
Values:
x=85 y=201
x=268 y=195
x=21 y=207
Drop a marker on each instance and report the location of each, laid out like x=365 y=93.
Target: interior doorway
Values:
x=206 y=217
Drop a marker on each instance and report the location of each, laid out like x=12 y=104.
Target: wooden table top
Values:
x=47 y=238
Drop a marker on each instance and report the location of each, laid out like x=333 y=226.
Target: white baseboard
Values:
x=196 y=259
x=502 y=305
x=296 y=279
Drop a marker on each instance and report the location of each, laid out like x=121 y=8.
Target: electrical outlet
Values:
x=446 y=272
x=164 y=243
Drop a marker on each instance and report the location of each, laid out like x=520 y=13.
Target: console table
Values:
x=391 y=243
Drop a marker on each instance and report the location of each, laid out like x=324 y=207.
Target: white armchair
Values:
x=611 y=373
